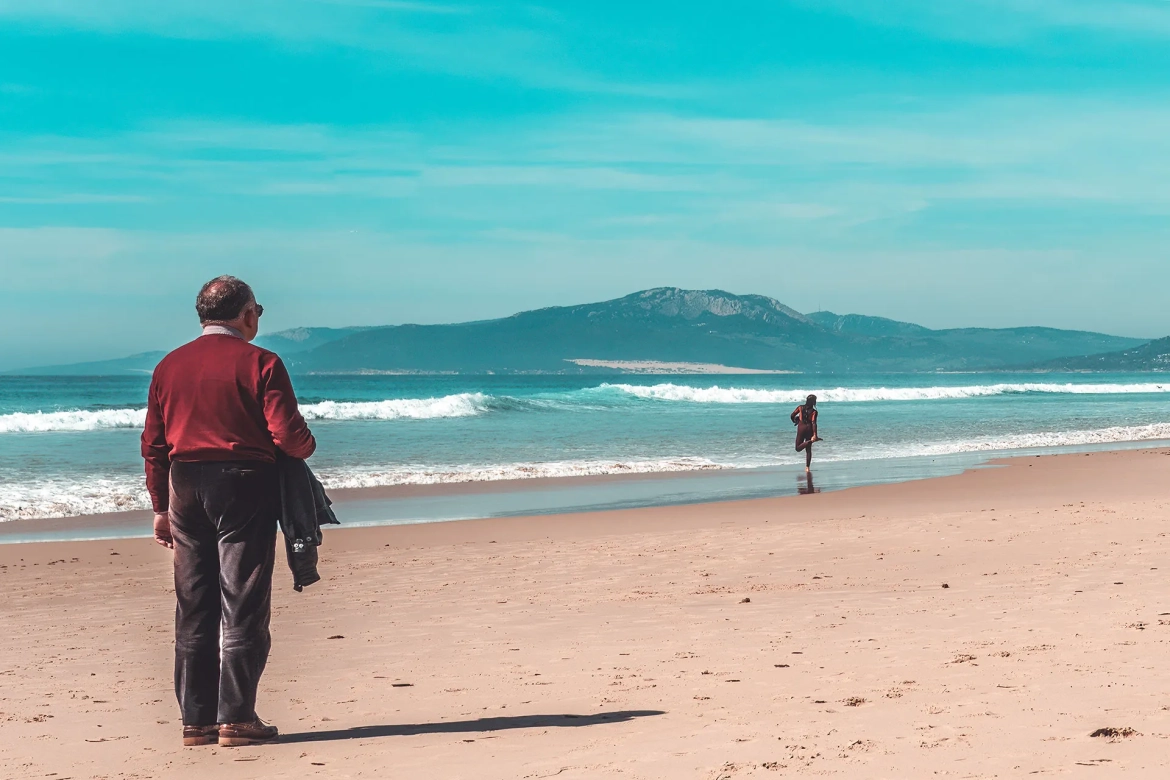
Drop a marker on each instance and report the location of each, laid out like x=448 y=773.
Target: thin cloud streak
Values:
x=1043 y=153
x=1010 y=22
x=481 y=46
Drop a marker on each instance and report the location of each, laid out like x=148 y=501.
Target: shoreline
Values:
x=135 y=525
x=142 y=518
x=392 y=505
x=941 y=494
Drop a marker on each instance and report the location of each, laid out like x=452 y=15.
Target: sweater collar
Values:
x=221 y=330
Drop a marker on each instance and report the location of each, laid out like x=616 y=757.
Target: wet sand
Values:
x=974 y=626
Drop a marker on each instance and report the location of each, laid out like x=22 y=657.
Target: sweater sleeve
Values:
x=157 y=453
x=289 y=431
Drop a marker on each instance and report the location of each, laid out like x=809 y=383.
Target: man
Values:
x=218 y=413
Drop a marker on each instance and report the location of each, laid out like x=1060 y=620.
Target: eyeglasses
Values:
x=259 y=310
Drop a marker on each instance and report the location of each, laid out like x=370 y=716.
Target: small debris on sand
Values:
x=1113 y=734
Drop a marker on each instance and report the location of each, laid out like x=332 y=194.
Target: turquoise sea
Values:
x=69 y=445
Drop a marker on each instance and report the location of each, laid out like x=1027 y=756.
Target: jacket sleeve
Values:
x=289 y=431
x=157 y=453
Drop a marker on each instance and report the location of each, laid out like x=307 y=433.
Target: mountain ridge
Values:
x=667 y=325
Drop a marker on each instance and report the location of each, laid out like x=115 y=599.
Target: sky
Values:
x=360 y=162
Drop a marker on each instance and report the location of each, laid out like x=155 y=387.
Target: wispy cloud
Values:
x=71 y=199
x=481 y=42
x=1009 y=21
x=682 y=173
x=402 y=5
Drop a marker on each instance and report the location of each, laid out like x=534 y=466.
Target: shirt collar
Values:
x=221 y=330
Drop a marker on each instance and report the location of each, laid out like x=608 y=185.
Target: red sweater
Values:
x=219 y=398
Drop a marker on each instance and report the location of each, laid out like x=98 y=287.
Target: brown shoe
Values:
x=194 y=736
x=239 y=734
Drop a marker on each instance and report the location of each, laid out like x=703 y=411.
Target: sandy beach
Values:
x=983 y=625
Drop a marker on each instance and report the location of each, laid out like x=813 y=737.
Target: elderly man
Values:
x=219 y=412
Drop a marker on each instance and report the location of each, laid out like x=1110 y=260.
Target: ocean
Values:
x=69 y=445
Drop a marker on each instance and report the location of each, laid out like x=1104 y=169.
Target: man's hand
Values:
x=162 y=530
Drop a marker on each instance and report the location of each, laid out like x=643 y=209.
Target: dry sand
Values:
x=974 y=626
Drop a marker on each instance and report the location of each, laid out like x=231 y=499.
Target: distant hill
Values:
x=286 y=342
x=1154 y=356
x=664 y=324
x=142 y=363
x=668 y=325
x=981 y=341
x=295 y=340
x=861 y=325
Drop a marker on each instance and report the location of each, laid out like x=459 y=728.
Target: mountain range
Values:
x=668 y=325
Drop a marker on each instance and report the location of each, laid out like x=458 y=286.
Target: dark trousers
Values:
x=223 y=519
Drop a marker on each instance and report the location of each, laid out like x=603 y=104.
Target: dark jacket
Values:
x=304 y=508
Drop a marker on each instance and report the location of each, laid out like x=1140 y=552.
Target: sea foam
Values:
x=439 y=475
x=78 y=420
x=67 y=497
x=744 y=395
x=1044 y=439
x=460 y=405
x=62 y=496
x=473 y=404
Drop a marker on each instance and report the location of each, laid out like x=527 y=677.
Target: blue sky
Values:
x=983 y=162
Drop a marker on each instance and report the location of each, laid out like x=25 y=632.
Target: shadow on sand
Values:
x=469 y=726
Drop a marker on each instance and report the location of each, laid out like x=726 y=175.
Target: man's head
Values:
x=226 y=300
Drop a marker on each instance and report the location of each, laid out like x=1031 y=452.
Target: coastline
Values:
x=898 y=630
x=954 y=493
x=571 y=496
x=137 y=523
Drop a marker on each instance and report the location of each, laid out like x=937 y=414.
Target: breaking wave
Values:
x=461 y=405
x=1046 y=439
x=36 y=422
x=739 y=395
x=69 y=497
x=594 y=398
x=440 y=475
x=65 y=497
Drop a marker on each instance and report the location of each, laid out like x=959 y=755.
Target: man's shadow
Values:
x=469 y=726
